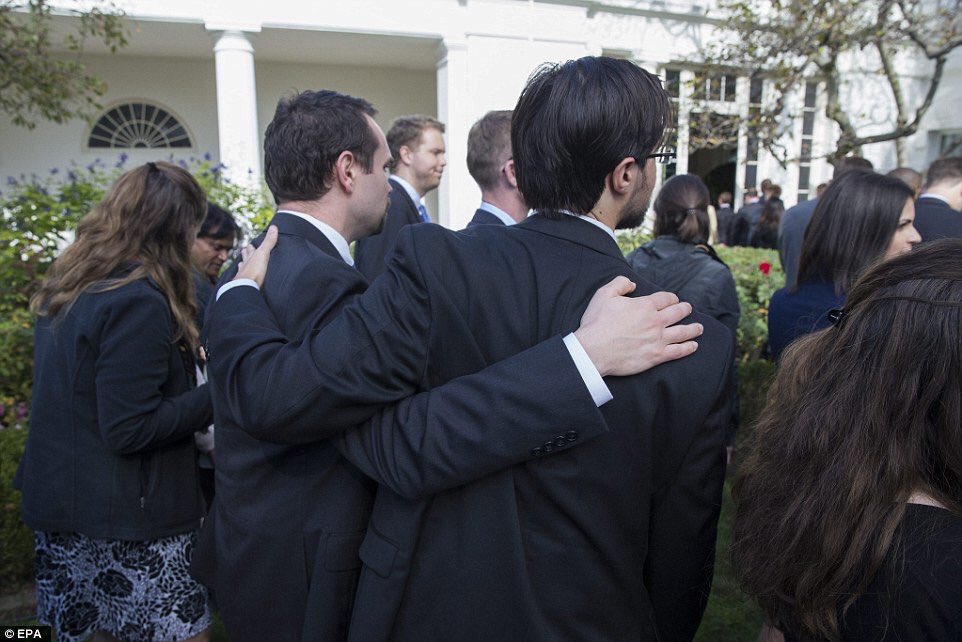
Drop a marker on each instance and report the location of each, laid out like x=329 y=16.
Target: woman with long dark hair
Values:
x=766 y=230
x=848 y=521
x=861 y=219
x=109 y=475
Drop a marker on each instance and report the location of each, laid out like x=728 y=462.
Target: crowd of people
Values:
x=508 y=432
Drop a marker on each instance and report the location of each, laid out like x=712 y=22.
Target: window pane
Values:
x=751 y=173
x=715 y=88
x=806 y=154
x=672 y=78
x=810 y=89
x=804 y=174
x=729 y=88
x=755 y=93
x=808 y=123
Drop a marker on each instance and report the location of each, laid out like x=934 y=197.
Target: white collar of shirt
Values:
x=610 y=232
x=503 y=216
x=411 y=192
x=935 y=196
x=338 y=241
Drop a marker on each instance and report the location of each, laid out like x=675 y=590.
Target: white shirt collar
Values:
x=338 y=241
x=503 y=216
x=411 y=192
x=610 y=232
x=935 y=196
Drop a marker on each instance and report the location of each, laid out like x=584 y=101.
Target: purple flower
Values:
x=206 y=156
x=54 y=171
x=11 y=180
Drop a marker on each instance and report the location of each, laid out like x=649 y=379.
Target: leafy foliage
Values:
x=34 y=83
x=840 y=42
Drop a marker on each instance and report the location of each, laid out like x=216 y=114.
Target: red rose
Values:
x=765 y=267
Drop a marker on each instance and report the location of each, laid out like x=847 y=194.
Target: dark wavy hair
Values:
x=860 y=415
x=851 y=228
x=308 y=133
x=681 y=209
x=574 y=123
x=148 y=219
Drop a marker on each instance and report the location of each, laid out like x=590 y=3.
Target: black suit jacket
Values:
x=934 y=219
x=370 y=253
x=611 y=540
x=279 y=548
x=724 y=216
x=483 y=217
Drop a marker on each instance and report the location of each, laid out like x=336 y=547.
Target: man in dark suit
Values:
x=612 y=540
x=724 y=215
x=741 y=225
x=280 y=549
x=938 y=212
x=417 y=157
x=492 y=168
x=791 y=229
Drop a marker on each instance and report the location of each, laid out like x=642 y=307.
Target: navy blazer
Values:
x=371 y=253
x=279 y=548
x=110 y=452
x=613 y=539
x=934 y=219
x=292 y=517
x=483 y=217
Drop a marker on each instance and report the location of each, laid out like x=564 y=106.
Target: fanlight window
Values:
x=138 y=126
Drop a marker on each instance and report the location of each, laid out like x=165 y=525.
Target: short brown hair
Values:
x=406 y=130
x=489 y=147
x=944 y=169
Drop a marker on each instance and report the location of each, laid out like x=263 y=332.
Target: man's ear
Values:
x=625 y=175
x=405 y=155
x=346 y=170
x=509 y=174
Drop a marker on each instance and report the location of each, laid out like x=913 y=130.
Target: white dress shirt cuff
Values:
x=589 y=373
x=233 y=284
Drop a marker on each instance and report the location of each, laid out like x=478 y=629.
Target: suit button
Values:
x=548 y=446
x=571 y=435
x=560 y=442
x=536 y=452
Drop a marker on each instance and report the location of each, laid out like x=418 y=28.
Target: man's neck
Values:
x=943 y=194
x=406 y=176
x=326 y=213
x=509 y=203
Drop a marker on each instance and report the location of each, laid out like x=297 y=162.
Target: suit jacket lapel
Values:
x=294 y=226
x=410 y=207
x=574 y=230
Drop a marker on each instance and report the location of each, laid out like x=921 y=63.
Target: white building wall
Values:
x=185 y=87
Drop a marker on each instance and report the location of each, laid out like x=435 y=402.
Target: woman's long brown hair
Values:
x=860 y=415
x=148 y=219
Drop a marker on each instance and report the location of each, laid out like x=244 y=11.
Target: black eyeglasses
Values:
x=664 y=157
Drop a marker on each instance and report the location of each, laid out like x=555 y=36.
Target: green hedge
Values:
x=39 y=215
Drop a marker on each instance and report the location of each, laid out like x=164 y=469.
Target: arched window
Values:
x=138 y=125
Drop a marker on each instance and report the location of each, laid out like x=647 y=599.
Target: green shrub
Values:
x=38 y=219
x=16 y=540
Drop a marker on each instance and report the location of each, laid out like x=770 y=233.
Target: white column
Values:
x=458 y=196
x=239 y=141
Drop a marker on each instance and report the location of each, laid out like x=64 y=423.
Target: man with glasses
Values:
x=613 y=540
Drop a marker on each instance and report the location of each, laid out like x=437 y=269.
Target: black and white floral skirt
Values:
x=136 y=591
